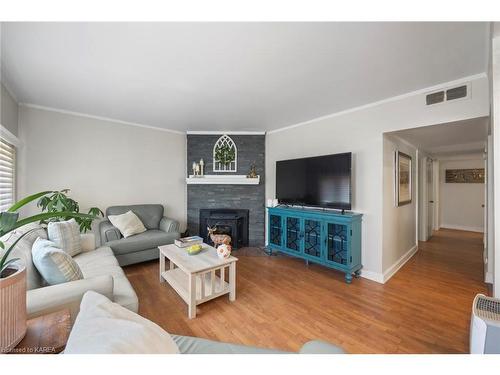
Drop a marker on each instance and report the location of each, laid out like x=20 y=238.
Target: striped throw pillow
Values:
x=55 y=265
x=66 y=236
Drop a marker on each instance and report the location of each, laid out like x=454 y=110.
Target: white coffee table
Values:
x=197 y=278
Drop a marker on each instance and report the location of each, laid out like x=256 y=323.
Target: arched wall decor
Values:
x=225 y=155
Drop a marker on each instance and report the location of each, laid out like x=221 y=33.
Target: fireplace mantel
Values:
x=226 y=179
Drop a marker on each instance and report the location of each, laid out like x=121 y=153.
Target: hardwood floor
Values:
x=282 y=303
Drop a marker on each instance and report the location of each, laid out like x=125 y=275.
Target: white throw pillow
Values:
x=128 y=223
x=66 y=236
x=55 y=266
x=104 y=327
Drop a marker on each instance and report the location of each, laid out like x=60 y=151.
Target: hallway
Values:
x=282 y=303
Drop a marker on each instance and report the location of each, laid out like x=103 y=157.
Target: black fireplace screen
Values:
x=233 y=222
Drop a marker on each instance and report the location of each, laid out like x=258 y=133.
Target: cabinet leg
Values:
x=357 y=274
x=307 y=262
x=348 y=278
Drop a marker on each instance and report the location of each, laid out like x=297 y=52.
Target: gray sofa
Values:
x=143 y=246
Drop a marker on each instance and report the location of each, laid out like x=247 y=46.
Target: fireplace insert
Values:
x=233 y=222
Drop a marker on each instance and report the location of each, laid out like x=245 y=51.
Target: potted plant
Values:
x=13 y=274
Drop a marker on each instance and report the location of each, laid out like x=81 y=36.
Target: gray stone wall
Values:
x=251 y=149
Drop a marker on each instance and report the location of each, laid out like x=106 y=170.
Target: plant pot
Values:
x=12 y=308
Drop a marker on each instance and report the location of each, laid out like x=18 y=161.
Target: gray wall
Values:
x=9 y=111
x=251 y=149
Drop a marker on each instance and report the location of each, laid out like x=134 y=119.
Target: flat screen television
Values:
x=322 y=181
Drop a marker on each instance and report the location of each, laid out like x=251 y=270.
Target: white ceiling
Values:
x=232 y=76
x=453 y=138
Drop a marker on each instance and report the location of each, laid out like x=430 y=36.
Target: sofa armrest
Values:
x=68 y=295
x=87 y=241
x=169 y=225
x=108 y=232
x=320 y=347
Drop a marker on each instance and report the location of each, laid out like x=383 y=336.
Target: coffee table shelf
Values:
x=179 y=281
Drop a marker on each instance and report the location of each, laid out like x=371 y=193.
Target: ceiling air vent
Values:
x=434 y=98
x=456 y=93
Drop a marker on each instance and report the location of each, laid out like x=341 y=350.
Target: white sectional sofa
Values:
x=100 y=269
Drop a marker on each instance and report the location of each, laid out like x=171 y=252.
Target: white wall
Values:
x=399 y=239
x=460 y=204
x=360 y=131
x=103 y=163
x=9 y=110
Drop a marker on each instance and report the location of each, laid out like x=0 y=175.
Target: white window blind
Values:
x=7 y=175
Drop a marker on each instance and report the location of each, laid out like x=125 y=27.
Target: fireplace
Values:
x=233 y=222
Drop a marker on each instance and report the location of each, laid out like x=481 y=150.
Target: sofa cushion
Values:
x=143 y=241
x=101 y=256
x=104 y=327
x=23 y=251
x=195 y=345
x=150 y=214
x=128 y=223
x=66 y=236
x=102 y=262
x=55 y=265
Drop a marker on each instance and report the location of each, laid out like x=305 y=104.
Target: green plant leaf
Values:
x=3 y=260
x=50 y=215
x=7 y=221
x=16 y=206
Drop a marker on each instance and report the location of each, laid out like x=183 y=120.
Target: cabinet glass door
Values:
x=312 y=238
x=293 y=234
x=275 y=229
x=337 y=243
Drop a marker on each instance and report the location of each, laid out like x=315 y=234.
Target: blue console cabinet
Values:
x=326 y=237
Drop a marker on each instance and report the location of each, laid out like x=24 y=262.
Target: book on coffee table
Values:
x=188 y=241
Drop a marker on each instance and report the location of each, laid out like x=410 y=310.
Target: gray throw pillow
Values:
x=55 y=265
x=66 y=236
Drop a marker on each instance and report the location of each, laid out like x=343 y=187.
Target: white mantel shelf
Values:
x=226 y=179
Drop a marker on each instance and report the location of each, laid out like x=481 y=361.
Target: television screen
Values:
x=323 y=181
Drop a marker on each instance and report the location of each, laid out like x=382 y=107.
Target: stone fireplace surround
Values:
x=251 y=149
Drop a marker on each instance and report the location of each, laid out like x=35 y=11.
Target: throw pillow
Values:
x=66 y=235
x=55 y=266
x=128 y=223
x=104 y=327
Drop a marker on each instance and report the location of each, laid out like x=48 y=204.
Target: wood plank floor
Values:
x=282 y=303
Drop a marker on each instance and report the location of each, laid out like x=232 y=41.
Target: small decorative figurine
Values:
x=202 y=167
x=253 y=172
x=218 y=239
x=224 y=251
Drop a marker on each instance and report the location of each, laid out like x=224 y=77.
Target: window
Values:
x=7 y=175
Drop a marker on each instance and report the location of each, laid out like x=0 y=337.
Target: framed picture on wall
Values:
x=404 y=171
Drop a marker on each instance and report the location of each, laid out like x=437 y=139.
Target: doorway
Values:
x=451 y=181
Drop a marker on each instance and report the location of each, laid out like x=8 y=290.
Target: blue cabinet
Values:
x=321 y=236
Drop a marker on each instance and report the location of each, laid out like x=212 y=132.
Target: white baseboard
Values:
x=488 y=278
x=374 y=276
x=399 y=263
x=462 y=227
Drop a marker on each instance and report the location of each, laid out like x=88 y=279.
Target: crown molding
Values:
x=228 y=132
x=384 y=101
x=63 y=111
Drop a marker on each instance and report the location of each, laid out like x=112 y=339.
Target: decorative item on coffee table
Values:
x=218 y=239
x=12 y=273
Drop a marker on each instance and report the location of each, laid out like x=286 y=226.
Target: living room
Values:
x=247 y=190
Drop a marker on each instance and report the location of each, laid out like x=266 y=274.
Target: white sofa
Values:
x=100 y=269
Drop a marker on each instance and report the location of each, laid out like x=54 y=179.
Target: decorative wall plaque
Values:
x=465 y=176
